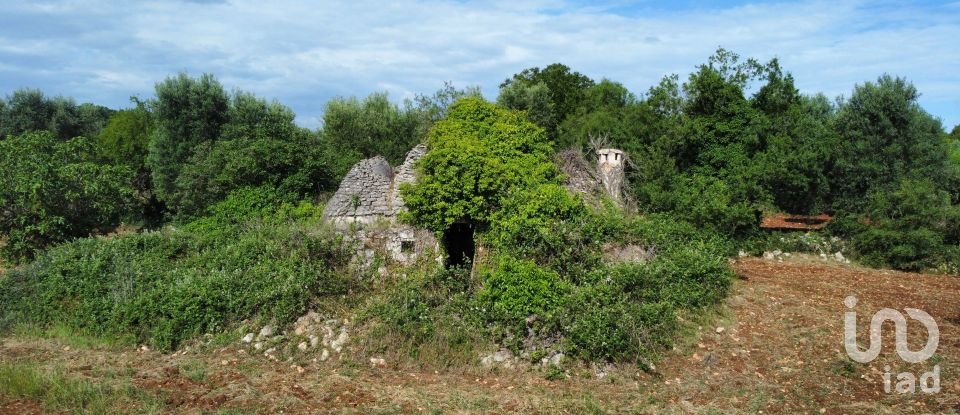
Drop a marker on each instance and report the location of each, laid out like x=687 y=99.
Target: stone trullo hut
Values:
x=367 y=204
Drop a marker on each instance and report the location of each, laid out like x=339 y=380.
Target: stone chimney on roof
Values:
x=610 y=165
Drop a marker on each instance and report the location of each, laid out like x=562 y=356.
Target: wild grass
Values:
x=57 y=391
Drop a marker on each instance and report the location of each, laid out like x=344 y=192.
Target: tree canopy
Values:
x=478 y=155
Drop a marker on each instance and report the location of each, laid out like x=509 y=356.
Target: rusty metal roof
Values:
x=786 y=221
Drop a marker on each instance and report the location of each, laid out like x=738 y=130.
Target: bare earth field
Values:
x=775 y=347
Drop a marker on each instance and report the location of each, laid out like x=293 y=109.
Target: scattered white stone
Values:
x=556 y=359
x=742 y=254
x=777 y=252
x=501 y=357
x=324 y=355
x=338 y=343
x=248 y=338
x=839 y=256
x=378 y=362
x=720 y=330
x=303 y=346
x=257 y=346
x=266 y=331
x=314 y=340
x=768 y=255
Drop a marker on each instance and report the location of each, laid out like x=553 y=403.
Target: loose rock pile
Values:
x=310 y=333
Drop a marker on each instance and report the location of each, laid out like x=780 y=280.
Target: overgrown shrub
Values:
x=53 y=191
x=905 y=228
x=548 y=225
x=165 y=287
x=516 y=289
x=606 y=325
x=478 y=156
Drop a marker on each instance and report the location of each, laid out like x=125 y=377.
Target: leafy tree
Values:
x=53 y=191
x=259 y=145
x=126 y=137
x=188 y=112
x=478 y=155
x=125 y=141
x=797 y=144
x=885 y=137
x=372 y=127
x=434 y=108
x=533 y=99
x=29 y=110
x=609 y=110
x=564 y=93
x=92 y=119
x=905 y=227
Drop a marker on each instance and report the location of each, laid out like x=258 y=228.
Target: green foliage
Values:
x=515 y=289
x=372 y=127
x=709 y=202
x=188 y=111
x=298 y=164
x=533 y=100
x=548 y=225
x=166 y=287
x=609 y=110
x=716 y=157
x=126 y=138
x=434 y=107
x=428 y=317
x=905 y=228
x=548 y=95
x=256 y=144
x=28 y=110
x=53 y=191
x=610 y=327
x=478 y=155
x=885 y=137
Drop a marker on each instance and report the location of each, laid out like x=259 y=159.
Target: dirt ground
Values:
x=776 y=347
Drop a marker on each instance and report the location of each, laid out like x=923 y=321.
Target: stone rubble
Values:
x=310 y=333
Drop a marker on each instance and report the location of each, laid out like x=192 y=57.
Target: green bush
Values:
x=709 y=202
x=52 y=191
x=548 y=225
x=417 y=304
x=166 y=287
x=478 y=156
x=515 y=289
x=910 y=250
x=606 y=325
x=908 y=228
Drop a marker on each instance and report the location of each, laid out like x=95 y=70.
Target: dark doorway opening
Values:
x=459 y=244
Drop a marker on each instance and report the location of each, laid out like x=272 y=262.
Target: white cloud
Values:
x=302 y=53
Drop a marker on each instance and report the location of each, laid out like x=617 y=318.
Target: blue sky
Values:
x=303 y=53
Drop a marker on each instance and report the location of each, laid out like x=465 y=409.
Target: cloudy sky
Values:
x=303 y=53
